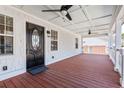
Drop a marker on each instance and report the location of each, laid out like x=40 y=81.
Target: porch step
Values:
x=37 y=69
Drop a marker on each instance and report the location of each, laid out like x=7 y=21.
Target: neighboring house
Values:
x=95 y=49
x=94 y=46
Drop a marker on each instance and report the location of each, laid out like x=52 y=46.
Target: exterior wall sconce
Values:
x=48 y=33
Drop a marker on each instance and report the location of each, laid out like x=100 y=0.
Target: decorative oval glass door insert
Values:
x=35 y=39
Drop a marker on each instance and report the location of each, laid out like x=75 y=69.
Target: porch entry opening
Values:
x=34 y=48
x=95 y=45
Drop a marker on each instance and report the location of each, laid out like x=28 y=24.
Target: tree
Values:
x=122 y=37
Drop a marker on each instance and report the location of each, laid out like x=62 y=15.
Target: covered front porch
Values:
x=54 y=40
x=81 y=71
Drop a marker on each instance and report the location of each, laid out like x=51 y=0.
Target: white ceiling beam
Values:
x=89 y=26
x=77 y=23
x=100 y=31
x=109 y=15
x=107 y=29
x=85 y=12
x=89 y=36
x=103 y=38
x=105 y=16
x=93 y=19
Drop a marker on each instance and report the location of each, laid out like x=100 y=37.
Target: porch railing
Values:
x=112 y=54
x=121 y=66
x=120 y=61
x=117 y=57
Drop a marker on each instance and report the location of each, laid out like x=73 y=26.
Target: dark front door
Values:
x=34 y=45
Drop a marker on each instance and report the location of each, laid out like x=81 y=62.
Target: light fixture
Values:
x=89 y=32
x=48 y=33
x=64 y=12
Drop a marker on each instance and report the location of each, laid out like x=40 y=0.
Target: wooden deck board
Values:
x=2 y=84
x=8 y=83
x=17 y=83
x=81 y=71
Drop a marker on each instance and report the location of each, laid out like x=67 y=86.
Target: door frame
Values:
x=43 y=40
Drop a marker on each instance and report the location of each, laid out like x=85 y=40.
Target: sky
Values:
x=122 y=28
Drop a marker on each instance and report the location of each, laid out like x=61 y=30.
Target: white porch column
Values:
x=109 y=44
x=110 y=40
x=110 y=47
x=117 y=43
x=122 y=68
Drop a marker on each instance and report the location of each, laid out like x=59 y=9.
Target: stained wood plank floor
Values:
x=82 y=71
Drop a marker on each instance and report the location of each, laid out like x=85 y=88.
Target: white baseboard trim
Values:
x=116 y=69
x=112 y=59
x=12 y=74
x=122 y=82
x=62 y=59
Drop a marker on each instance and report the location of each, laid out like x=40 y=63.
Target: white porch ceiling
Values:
x=97 y=18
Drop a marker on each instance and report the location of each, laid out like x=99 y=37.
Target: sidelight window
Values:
x=6 y=34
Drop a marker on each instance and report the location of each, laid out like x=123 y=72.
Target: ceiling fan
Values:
x=63 y=10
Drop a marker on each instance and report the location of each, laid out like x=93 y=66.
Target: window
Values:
x=54 y=40
x=35 y=39
x=76 y=43
x=6 y=35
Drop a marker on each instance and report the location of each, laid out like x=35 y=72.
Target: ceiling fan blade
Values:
x=51 y=10
x=68 y=16
x=65 y=7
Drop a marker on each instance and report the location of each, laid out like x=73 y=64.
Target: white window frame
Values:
x=7 y=35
